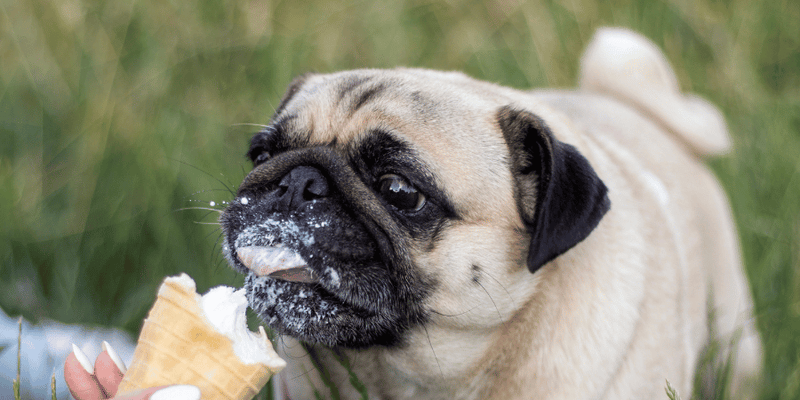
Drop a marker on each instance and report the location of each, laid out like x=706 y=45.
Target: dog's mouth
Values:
x=316 y=275
x=277 y=262
x=300 y=249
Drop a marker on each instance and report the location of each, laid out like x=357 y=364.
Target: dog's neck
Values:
x=437 y=362
x=441 y=362
x=425 y=368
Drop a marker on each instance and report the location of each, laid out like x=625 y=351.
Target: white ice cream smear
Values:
x=225 y=309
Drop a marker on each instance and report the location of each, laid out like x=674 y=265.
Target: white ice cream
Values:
x=225 y=309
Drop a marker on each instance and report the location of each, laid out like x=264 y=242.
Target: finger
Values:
x=139 y=394
x=175 y=392
x=109 y=369
x=78 y=373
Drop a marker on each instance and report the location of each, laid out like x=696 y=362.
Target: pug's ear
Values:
x=560 y=197
x=293 y=88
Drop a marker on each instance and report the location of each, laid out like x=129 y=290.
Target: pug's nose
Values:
x=300 y=186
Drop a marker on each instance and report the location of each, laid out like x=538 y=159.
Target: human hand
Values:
x=100 y=382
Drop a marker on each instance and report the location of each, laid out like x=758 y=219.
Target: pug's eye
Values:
x=399 y=193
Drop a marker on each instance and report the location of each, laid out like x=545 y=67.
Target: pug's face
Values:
x=380 y=200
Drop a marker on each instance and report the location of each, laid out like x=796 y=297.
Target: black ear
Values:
x=293 y=88
x=560 y=197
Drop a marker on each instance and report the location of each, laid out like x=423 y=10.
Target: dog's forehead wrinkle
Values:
x=348 y=84
x=325 y=117
x=362 y=99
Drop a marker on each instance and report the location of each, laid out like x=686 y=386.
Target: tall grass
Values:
x=672 y=394
x=15 y=384
x=117 y=118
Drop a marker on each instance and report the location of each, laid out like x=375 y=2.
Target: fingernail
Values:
x=114 y=357
x=82 y=359
x=177 y=392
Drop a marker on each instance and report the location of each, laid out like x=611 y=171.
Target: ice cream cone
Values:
x=178 y=344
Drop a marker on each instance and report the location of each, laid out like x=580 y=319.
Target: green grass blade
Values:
x=323 y=374
x=354 y=381
x=671 y=392
x=16 y=382
x=53 y=386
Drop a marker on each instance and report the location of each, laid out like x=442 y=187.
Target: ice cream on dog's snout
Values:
x=202 y=341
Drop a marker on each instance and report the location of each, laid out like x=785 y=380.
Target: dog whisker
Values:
x=510 y=297
x=213 y=231
x=304 y=374
x=200 y=208
x=430 y=343
x=251 y=124
x=220 y=263
x=206 y=191
x=204 y=216
x=226 y=186
x=290 y=346
x=219 y=257
x=499 y=315
x=452 y=315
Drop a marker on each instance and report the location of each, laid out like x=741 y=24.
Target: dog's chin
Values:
x=301 y=310
x=313 y=313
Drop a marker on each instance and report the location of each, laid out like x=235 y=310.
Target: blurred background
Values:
x=123 y=126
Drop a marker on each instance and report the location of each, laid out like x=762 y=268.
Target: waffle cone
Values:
x=178 y=345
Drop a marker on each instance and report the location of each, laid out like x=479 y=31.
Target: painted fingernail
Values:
x=82 y=359
x=114 y=357
x=177 y=392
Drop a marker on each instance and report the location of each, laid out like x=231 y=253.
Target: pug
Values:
x=414 y=234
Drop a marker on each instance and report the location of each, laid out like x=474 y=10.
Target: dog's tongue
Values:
x=276 y=262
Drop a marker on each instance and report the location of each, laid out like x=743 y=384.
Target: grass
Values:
x=672 y=394
x=117 y=118
x=15 y=385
